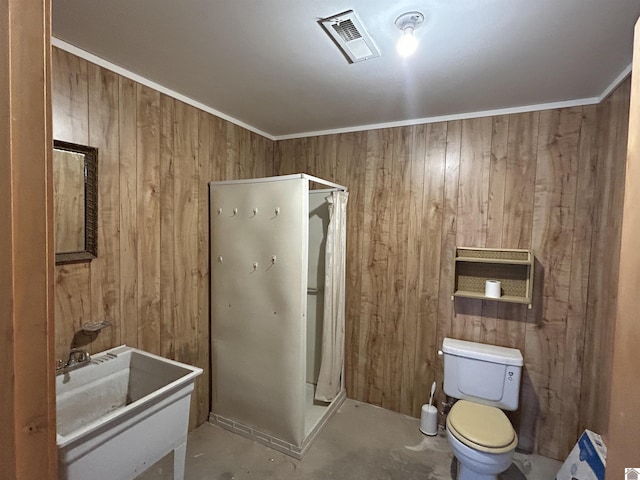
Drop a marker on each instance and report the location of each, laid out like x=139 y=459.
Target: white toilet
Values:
x=485 y=379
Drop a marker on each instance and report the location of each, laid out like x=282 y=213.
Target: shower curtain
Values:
x=332 y=359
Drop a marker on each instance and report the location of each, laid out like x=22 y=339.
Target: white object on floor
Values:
x=429 y=417
x=587 y=459
x=429 y=420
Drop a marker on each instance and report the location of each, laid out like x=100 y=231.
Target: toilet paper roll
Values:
x=492 y=289
x=429 y=420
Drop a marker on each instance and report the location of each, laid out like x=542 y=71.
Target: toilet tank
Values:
x=482 y=373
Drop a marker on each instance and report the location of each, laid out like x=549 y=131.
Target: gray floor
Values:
x=360 y=442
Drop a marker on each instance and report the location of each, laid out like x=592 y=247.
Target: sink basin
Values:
x=121 y=413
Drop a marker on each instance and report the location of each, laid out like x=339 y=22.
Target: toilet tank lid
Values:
x=482 y=351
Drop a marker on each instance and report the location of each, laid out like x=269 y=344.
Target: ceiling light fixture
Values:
x=408 y=22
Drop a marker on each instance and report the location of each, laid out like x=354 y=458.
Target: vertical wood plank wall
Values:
x=610 y=174
x=551 y=181
x=624 y=415
x=156 y=156
x=27 y=387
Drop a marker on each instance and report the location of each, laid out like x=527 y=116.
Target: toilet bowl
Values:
x=482 y=439
x=485 y=379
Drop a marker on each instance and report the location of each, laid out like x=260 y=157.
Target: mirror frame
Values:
x=90 y=204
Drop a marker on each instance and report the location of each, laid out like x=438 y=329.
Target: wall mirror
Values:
x=75 y=202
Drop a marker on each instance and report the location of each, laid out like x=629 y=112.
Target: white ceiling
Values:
x=270 y=65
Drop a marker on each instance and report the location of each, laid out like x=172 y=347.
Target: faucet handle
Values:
x=78 y=355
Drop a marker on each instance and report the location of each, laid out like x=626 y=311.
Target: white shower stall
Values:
x=277 y=307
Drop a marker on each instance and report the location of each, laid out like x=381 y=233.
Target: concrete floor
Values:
x=360 y=442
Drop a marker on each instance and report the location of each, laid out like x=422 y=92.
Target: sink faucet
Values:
x=78 y=357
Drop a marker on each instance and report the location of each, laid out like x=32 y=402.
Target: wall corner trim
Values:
x=56 y=42
x=615 y=83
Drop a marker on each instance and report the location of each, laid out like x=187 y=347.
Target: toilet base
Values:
x=464 y=473
x=475 y=465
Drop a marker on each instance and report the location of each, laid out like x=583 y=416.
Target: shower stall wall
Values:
x=277 y=307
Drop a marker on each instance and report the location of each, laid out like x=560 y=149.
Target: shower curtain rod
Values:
x=324 y=182
x=311 y=178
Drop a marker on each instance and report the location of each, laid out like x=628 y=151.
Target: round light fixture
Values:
x=407 y=23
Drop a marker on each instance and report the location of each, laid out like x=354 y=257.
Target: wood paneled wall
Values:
x=550 y=181
x=610 y=174
x=624 y=415
x=27 y=388
x=156 y=156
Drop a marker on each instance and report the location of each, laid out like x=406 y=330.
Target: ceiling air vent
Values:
x=347 y=31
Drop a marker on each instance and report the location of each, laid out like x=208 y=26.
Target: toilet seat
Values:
x=481 y=427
